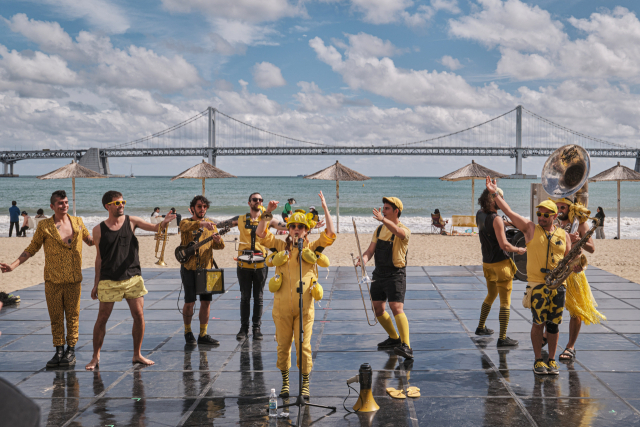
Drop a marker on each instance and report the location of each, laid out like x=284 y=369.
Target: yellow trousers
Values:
x=499 y=278
x=63 y=301
x=287 y=330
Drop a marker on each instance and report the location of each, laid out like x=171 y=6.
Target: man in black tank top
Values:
x=118 y=272
x=497 y=266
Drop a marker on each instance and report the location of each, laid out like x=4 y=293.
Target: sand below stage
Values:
x=615 y=256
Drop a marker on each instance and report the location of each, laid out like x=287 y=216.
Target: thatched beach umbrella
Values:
x=203 y=171
x=337 y=173
x=472 y=171
x=617 y=173
x=73 y=171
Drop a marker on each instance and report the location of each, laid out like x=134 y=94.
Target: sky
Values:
x=96 y=73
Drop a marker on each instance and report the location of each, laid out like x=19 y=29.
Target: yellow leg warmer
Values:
x=203 y=329
x=403 y=328
x=386 y=322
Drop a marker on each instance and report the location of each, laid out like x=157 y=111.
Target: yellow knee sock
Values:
x=386 y=322
x=403 y=328
x=187 y=329
x=203 y=329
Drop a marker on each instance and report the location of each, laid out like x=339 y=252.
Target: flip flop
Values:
x=413 y=391
x=571 y=353
x=396 y=394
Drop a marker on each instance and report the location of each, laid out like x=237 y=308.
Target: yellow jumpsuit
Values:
x=286 y=301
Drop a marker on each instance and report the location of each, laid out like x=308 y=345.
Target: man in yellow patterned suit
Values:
x=62 y=236
x=203 y=259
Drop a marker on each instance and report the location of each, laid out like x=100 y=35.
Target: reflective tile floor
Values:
x=465 y=380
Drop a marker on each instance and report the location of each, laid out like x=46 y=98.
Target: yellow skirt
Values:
x=580 y=301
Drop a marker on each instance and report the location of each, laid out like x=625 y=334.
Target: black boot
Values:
x=257 y=334
x=55 y=360
x=69 y=358
x=244 y=331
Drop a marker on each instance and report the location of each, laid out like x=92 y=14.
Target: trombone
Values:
x=364 y=278
x=161 y=236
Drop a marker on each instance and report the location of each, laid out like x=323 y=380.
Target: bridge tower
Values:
x=637 y=168
x=212 y=136
x=519 y=140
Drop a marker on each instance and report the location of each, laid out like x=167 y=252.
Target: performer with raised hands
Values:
x=286 y=281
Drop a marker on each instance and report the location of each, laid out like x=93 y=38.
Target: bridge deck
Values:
x=465 y=380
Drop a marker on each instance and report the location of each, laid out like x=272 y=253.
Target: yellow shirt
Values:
x=286 y=298
x=537 y=252
x=400 y=246
x=245 y=236
x=187 y=227
x=62 y=263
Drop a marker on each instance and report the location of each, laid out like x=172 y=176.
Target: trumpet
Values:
x=363 y=279
x=161 y=236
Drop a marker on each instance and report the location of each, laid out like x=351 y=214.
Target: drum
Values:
x=516 y=238
x=251 y=257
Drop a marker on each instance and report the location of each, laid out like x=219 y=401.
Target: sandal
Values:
x=568 y=353
x=413 y=391
x=396 y=394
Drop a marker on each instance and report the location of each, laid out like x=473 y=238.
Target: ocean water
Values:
x=229 y=197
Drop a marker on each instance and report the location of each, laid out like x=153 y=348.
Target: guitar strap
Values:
x=253 y=228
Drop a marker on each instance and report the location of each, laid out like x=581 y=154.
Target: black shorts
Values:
x=389 y=286
x=189 y=284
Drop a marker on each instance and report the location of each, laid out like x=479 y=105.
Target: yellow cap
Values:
x=300 y=217
x=549 y=205
x=564 y=200
x=394 y=201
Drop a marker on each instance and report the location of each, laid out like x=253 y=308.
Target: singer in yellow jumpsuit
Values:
x=284 y=285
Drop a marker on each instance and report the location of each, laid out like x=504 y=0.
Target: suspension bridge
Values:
x=518 y=133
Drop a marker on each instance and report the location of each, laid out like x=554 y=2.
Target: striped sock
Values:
x=504 y=321
x=285 y=383
x=484 y=313
x=305 y=384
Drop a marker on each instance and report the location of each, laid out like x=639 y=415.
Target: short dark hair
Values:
x=14 y=203
x=202 y=199
x=156 y=209
x=253 y=194
x=394 y=207
x=40 y=212
x=24 y=213
x=56 y=195
x=486 y=201
x=109 y=196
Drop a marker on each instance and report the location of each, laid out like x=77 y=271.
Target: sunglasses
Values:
x=546 y=215
x=118 y=202
x=297 y=226
x=255 y=199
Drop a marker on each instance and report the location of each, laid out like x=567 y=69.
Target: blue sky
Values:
x=99 y=72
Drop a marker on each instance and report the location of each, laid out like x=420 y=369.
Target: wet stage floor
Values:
x=464 y=380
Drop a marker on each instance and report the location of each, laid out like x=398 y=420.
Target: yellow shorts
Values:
x=114 y=291
x=500 y=273
x=546 y=305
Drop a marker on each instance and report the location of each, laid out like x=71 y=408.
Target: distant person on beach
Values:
x=287 y=208
x=40 y=214
x=178 y=216
x=438 y=222
x=600 y=217
x=389 y=247
x=14 y=218
x=546 y=245
x=25 y=224
x=118 y=273
x=497 y=267
x=155 y=213
x=62 y=236
x=204 y=259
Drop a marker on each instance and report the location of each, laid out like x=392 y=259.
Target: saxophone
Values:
x=565 y=267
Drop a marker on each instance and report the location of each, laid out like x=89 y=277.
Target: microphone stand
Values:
x=300 y=402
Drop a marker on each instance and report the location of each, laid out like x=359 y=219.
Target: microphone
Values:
x=300 y=242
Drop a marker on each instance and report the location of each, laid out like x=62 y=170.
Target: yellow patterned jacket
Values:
x=62 y=263
x=187 y=227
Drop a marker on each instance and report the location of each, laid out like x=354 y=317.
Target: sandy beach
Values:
x=618 y=257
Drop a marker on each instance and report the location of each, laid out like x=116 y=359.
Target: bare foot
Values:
x=93 y=364
x=143 y=360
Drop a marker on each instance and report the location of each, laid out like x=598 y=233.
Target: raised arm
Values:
x=261 y=232
x=395 y=229
x=520 y=222
x=329 y=231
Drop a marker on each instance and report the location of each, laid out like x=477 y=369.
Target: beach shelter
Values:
x=472 y=171
x=203 y=171
x=73 y=171
x=617 y=173
x=337 y=173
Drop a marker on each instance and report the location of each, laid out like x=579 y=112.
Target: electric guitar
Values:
x=184 y=253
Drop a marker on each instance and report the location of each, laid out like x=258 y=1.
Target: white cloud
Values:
x=244 y=102
x=411 y=87
x=266 y=75
x=102 y=14
x=238 y=10
x=450 y=6
x=311 y=98
x=135 y=101
x=402 y=11
x=450 y=62
x=35 y=67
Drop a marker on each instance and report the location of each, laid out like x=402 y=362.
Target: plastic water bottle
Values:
x=273 y=403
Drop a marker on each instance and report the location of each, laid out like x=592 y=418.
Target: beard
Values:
x=563 y=216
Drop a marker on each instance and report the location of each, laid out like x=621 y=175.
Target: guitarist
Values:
x=188 y=230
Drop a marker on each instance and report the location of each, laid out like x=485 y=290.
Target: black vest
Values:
x=118 y=252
